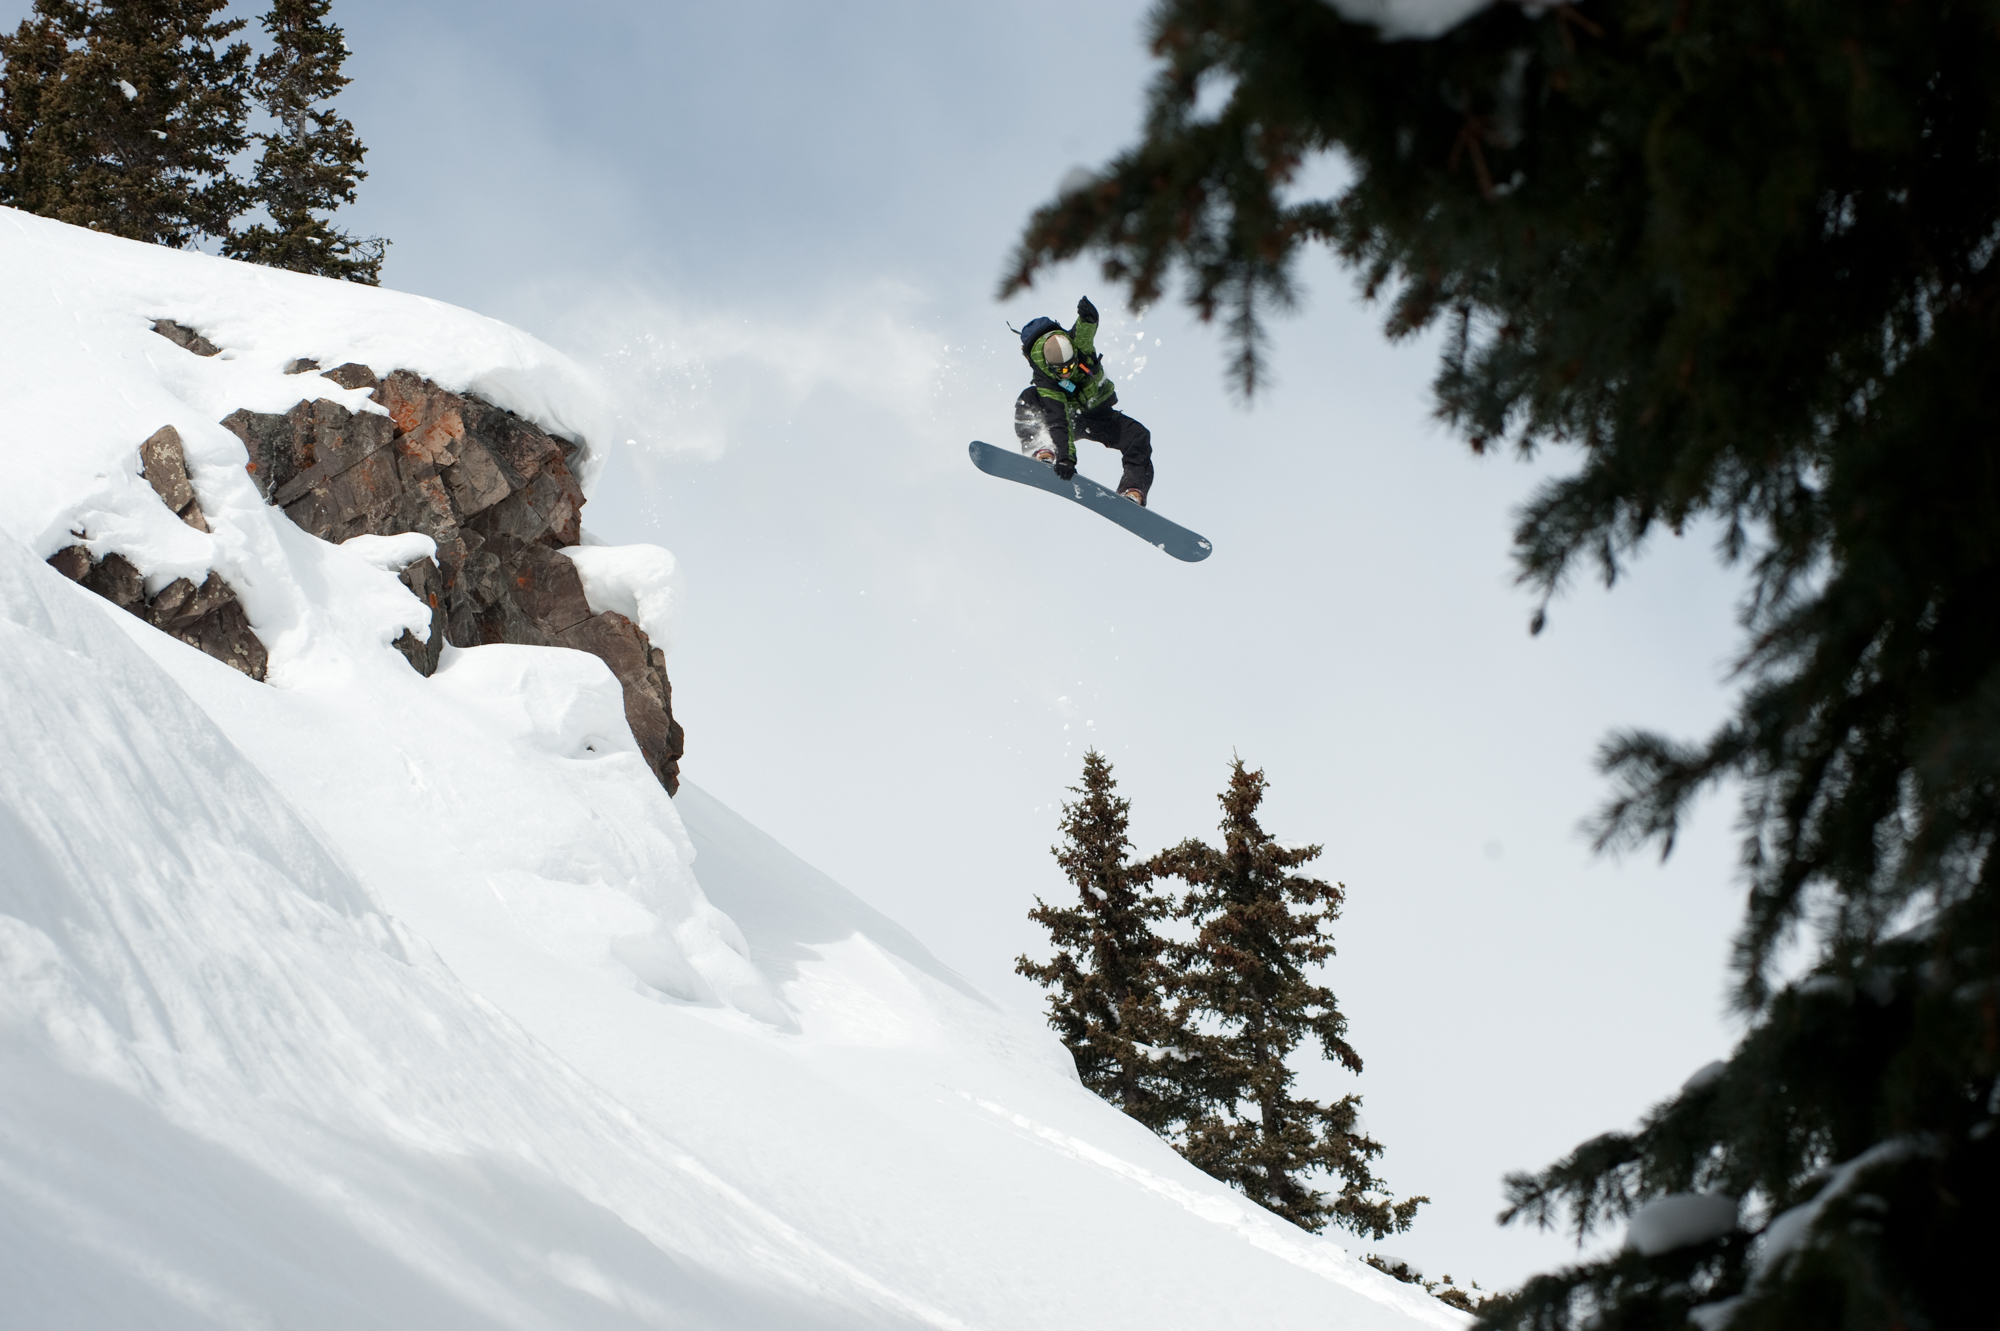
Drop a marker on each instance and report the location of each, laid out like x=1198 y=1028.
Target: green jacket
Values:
x=1063 y=397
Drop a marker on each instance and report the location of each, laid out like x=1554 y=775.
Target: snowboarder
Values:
x=1071 y=399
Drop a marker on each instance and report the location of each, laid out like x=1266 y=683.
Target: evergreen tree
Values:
x=122 y=116
x=311 y=160
x=1109 y=987
x=1740 y=257
x=31 y=60
x=1257 y=934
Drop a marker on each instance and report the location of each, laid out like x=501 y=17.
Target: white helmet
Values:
x=1057 y=350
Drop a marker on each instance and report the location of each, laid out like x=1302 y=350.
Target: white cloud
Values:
x=684 y=379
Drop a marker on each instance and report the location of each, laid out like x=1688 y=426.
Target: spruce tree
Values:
x=1247 y=979
x=310 y=159
x=122 y=116
x=31 y=60
x=1739 y=259
x=1108 y=1001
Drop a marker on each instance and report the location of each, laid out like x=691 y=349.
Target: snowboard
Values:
x=1144 y=523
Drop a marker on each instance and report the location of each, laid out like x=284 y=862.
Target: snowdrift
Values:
x=363 y=999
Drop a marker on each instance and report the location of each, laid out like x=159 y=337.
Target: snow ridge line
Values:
x=903 y=1303
x=1322 y=1257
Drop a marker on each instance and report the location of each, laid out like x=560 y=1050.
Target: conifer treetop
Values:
x=1247 y=982
x=1262 y=926
x=1109 y=997
x=310 y=162
x=123 y=115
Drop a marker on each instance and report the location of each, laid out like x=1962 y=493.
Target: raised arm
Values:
x=1085 y=332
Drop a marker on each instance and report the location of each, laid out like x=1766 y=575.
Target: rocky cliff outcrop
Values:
x=494 y=491
x=208 y=617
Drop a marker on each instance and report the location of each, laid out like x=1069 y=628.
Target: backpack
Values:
x=1035 y=328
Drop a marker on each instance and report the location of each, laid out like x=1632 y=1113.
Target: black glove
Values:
x=1086 y=311
x=1065 y=468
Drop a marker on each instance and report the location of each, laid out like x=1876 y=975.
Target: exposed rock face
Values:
x=494 y=492
x=208 y=617
x=164 y=465
x=185 y=337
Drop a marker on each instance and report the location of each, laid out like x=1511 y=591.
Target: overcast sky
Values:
x=777 y=228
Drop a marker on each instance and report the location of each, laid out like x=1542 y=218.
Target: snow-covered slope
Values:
x=362 y=999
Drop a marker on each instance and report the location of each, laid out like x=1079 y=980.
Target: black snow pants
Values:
x=1108 y=426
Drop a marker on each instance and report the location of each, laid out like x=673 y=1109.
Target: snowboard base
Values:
x=1148 y=526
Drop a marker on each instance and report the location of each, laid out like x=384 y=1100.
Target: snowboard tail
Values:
x=1144 y=523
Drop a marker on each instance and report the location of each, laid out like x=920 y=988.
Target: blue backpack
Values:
x=1035 y=328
